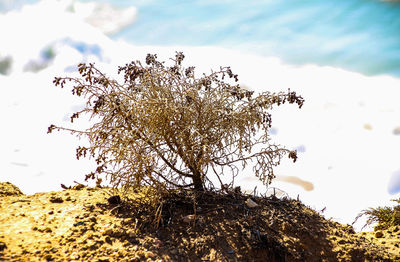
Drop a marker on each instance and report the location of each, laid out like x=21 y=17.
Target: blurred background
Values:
x=343 y=57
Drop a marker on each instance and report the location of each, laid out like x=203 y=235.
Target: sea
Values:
x=356 y=35
x=343 y=57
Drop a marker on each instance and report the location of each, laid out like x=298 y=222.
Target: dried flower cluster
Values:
x=166 y=128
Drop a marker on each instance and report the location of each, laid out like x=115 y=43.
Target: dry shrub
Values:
x=383 y=217
x=165 y=128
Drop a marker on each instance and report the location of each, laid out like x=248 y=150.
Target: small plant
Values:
x=166 y=128
x=386 y=217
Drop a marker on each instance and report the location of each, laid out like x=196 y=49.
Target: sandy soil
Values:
x=79 y=224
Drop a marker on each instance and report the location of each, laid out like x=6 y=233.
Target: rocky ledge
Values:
x=82 y=223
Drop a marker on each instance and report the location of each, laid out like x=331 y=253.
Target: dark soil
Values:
x=80 y=224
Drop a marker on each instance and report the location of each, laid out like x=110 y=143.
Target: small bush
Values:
x=386 y=217
x=166 y=128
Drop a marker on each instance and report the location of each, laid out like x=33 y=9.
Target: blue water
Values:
x=356 y=35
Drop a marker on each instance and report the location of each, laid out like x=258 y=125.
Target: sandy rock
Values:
x=192 y=218
x=48 y=257
x=131 y=233
x=108 y=231
x=93 y=220
x=2 y=246
x=8 y=189
x=78 y=187
x=213 y=254
x=114 y=200
x=188 y=218
x=250 y=203
x=74 y=256
x=157 y=243
x=55 y=199
x=128 y=221
x=342 y=241
x=68 y=198
x=108 y=240
x=149 y=254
